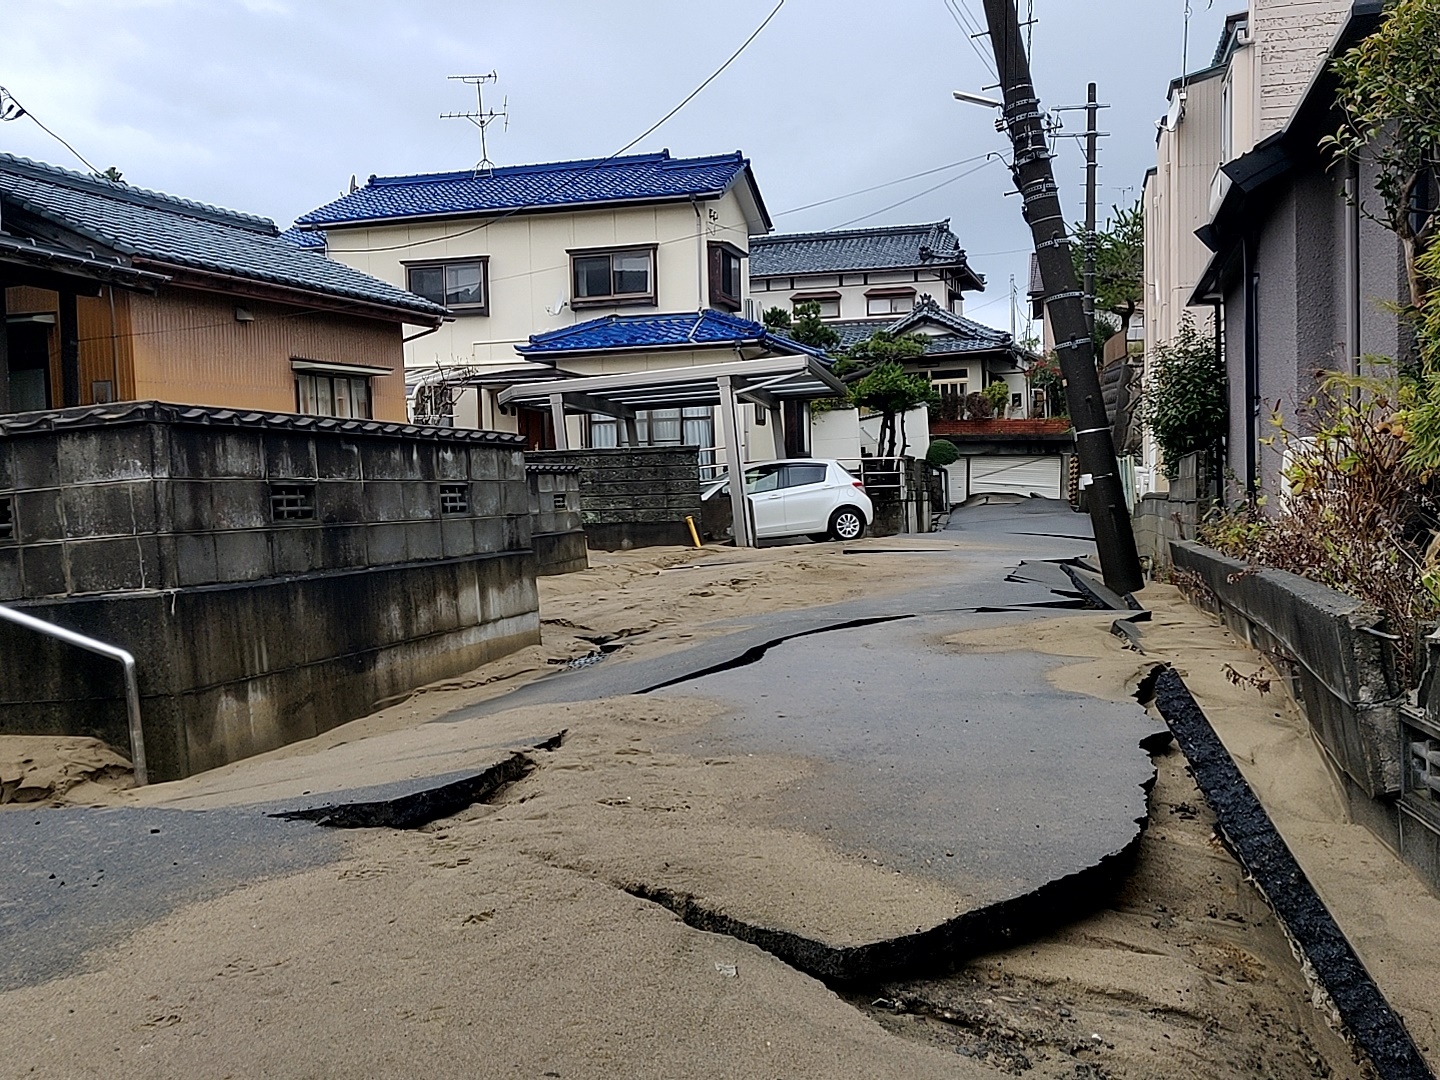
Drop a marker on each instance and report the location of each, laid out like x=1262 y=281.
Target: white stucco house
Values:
x=576 y=271
x=861 y=274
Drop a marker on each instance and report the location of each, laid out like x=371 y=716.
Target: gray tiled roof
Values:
x=164 y=229
x=895 y=247
x=965 y=335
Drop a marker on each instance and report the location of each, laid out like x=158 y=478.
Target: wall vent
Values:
x=292 y=502
x=7 y=520
x=454 y=499
x=560 y=502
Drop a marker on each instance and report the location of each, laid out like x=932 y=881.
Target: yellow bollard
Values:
x=690 y=521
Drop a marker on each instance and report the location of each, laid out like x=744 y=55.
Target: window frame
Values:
x=613 y=299
x=482 y=261
x=720 y=252
x=821 y=298
x=330 y=378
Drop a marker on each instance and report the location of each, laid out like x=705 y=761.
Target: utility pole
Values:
x=1091 y=135
x=1035 y=180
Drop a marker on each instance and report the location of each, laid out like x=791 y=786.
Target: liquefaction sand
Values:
x=501 y=942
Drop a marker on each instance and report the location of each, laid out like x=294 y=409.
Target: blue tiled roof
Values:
x=894 y=247
x=637 y=178
x=162 y=229
x=639 y=332
x=964 y=335
x=305 y=239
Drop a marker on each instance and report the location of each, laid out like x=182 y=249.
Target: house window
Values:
x=725 y=277
x=691 y=426
x=460 y=285
x=333 y=395
x=625 y=276
x=829 y=303
x=952 y=397
x=889 y=301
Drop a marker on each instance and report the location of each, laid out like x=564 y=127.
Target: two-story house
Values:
x=862 y=274
x=112 y=293
x=570 y=269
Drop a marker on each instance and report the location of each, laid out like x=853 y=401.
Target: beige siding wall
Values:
x=190 y=348
x=1177 y=202
x=529 y=267
x=1293 y=37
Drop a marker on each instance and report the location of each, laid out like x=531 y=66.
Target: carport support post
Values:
x=739 y=506
x=632 y=431
x=777 y=430
x=557 y=417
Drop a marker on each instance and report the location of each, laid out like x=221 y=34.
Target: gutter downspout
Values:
x=1252 y=365
x=700 y=296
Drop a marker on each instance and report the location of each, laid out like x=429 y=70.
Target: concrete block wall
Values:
x=171 y=531
x=143 y=495
x=556 y=531
x=634 y=497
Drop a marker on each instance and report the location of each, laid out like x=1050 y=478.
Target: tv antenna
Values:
x=481 y=117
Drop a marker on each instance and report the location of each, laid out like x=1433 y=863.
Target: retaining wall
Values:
x=274 y=575
x=1384 y=744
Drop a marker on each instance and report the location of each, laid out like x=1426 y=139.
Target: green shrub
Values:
x=942 y=452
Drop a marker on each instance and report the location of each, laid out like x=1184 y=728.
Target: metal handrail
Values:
x=114 y=652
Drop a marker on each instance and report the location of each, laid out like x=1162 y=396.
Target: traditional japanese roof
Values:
x=691 y=329
x=154 y=231
x=638 y=178
x=894 y=247
x=305 y=239
x=962 y=335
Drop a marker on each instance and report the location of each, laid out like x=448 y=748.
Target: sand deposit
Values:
x=497 y=943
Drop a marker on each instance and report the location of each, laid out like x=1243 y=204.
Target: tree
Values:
x=810 y=329
x=1183 y=401
x=885 y=388
x=776 y=318
x=1119 y=263
x=1390 y=95
x=1045 y=375
x=998 y=393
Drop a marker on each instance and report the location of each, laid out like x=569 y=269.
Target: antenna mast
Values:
x=481 y=117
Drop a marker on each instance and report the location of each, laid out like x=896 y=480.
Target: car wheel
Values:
x=847 y=523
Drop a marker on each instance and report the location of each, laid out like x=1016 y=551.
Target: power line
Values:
x=563 y=184
x=969 y=31
x=877 y=187
x=912 y=198
x=10 y=109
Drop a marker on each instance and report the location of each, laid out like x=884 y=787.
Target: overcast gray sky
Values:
x=269 y=106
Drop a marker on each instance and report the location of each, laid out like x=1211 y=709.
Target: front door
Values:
x=767 y=502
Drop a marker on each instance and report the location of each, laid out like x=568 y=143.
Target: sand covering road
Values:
x=496 y=944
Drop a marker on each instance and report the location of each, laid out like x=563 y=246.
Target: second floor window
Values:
x=625 y=276
x=725 y=277
x=460 y=285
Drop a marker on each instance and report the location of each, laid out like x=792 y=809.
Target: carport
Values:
x=764 y=382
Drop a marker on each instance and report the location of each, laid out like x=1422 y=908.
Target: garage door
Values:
x=1017 y=475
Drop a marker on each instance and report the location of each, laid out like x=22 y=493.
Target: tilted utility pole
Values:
x=1091 y=134
x=1035 y=181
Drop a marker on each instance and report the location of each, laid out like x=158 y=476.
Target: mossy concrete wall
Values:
x=274 y=575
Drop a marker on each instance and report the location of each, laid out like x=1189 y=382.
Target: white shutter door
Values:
x=1019 y=475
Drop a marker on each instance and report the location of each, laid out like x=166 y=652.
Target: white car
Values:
x=804 y=497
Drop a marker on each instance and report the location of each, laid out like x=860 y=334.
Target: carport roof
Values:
x=802 y=377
